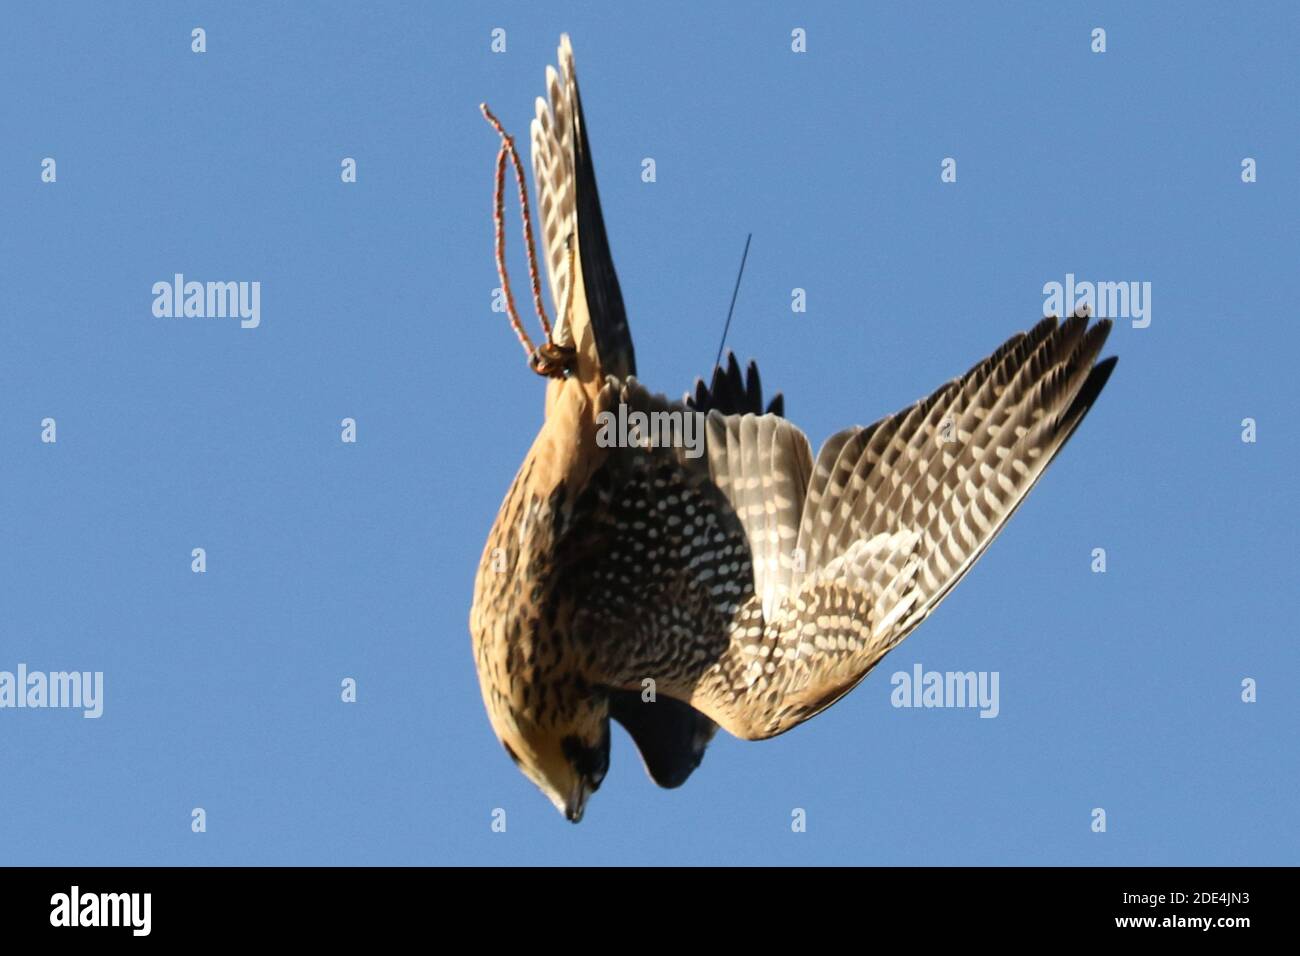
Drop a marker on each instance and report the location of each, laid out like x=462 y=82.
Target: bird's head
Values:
x=566 y=755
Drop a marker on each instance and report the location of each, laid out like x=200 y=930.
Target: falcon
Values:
x=747 y=587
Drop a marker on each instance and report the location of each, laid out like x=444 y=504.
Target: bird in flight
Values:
x=745 y=584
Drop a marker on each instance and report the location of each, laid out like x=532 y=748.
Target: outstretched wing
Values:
x=573 y=229
x=778 y=583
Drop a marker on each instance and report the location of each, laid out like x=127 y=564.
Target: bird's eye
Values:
x=590 y=762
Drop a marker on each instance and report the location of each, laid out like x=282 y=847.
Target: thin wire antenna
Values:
x=734 y=292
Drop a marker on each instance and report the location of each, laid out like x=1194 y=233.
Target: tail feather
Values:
x=731 y=394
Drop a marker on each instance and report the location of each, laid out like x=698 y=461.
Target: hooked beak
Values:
x=577 y=801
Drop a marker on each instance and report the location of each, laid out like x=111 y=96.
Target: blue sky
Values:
x=328 y=560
